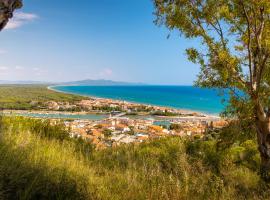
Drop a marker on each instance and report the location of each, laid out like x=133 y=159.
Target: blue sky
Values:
x=64 y=40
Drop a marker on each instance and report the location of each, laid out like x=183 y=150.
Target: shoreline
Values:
x=185 y=111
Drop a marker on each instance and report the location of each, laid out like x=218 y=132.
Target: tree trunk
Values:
x=7 y=8
x=263 y=134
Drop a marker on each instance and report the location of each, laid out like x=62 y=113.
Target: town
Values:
x=133 y=123
x=102 y=105
x=123 y=122
x=114 y=131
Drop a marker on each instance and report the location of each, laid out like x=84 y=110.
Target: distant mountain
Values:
x=100 y=82
x=87 y=82
x=25 y=82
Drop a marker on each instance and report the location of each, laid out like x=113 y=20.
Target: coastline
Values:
x=184 y=111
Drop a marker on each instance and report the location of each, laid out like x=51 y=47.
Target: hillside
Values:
x=20 y=96
x=40 y=161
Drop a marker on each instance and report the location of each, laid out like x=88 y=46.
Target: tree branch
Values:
x=249 y=46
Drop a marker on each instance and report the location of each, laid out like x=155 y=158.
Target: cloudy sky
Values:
x=66 y=40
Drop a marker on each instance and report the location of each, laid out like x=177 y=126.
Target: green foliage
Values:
x=27 y=97
x=175 y=127
x=143 y=108
x=107 y=108
x=107 y=132
x=41 y=128
x=37 y=164
x=222 y=26
x=237 y=132
x=234 y=56
x=166 y=113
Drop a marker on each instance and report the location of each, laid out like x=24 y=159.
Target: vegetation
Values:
x=6 y=11
x=40 y=161
x=107 y=108
x=107 y=132
x=26 y=97
x=234 y=55
x=175 y=127
x=166 y=113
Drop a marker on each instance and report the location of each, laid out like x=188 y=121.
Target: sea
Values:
x=208 y=101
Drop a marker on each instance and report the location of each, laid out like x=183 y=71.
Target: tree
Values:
x=234 y=55
x=177 y=127
x=7 y=8
x=107 y=132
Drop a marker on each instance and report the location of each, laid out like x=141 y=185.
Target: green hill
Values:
x=21 y=96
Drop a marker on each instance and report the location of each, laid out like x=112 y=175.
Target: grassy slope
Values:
x=38 y=161
x=19 y=96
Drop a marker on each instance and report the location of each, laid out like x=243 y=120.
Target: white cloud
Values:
x=3 y=68
x=36 y=69
x=2 y=51
x=19 y=19
x=106 y=73
x=25 y=16
x=18 y=67
x=3 y=71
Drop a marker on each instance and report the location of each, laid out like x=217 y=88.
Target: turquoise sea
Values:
x=181 y=97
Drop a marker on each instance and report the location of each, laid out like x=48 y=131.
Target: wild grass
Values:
x=40 y=161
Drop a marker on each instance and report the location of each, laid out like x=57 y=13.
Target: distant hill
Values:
x=100 y=82
x=87 y=82
x=25 y=82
